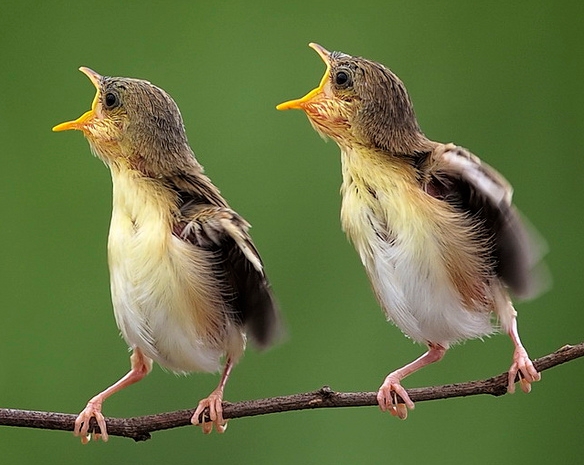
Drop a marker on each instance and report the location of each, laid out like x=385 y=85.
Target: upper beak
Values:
x=80 y=122
x=299 y=103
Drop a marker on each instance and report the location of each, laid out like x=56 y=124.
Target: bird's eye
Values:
x=342 y=79
x=111 y=100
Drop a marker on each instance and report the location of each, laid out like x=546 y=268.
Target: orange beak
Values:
x=299 y=103
x=81 y=122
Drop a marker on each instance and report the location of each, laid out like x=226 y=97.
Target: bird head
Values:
x=361 y=102
x=131 y=119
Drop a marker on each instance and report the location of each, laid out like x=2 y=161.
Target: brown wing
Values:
x=239 y=267
x=461 y=179
x=206 y=221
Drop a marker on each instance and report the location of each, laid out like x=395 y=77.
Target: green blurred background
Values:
x=502 y=78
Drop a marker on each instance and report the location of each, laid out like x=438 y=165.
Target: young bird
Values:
x=187 y=282
x=434 y=226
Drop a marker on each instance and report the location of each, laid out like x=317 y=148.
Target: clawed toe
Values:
x=387 y=398
x=81 y=428
x=523 y=367
x=215 y=405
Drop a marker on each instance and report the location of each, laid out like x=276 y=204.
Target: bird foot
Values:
x=387 y=398
x=93 y=409
x=523 y=367
x=215 y=406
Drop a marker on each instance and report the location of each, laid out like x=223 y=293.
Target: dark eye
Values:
x=111 y=100
x=342 y=79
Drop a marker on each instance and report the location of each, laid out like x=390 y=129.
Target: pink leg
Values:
x=391 y=387
x=521 y=365
x=214 y=403
x=140 y=367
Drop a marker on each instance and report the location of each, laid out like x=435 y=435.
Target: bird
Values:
x=187 y=283
x=442 y=244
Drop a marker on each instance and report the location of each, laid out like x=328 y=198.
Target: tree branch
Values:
x=140 y=428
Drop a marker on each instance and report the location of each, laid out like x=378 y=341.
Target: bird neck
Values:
x=401 y=142
x=373 y=171
x=139 y=197
x=154 y=165
x=408 y=144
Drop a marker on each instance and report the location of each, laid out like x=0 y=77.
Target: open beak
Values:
x=299 y=103
x=81 y=122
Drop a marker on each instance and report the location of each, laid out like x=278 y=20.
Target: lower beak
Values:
x=301 y=102
x=81 y=122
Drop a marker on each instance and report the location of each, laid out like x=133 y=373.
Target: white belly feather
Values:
x=418 y=297
x=403 y=260
x=159 y=287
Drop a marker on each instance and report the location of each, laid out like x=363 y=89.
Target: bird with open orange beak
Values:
x=435 y=227
x=187 y=283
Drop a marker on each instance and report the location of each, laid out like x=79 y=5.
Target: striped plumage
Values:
x=435 y=227
x=188 y=285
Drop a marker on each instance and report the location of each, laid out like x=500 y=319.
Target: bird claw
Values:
x=401 y=411
x=523 y=367
x=93 y=409
x=215 y=405
x=387 y=398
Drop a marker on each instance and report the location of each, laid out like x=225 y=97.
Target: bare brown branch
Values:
x=140 y=428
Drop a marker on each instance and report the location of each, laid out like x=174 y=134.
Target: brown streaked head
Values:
x=132 y=119
x=361 y=102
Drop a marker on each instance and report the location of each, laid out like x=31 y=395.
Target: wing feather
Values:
x=239 y=267
x=469 y=185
